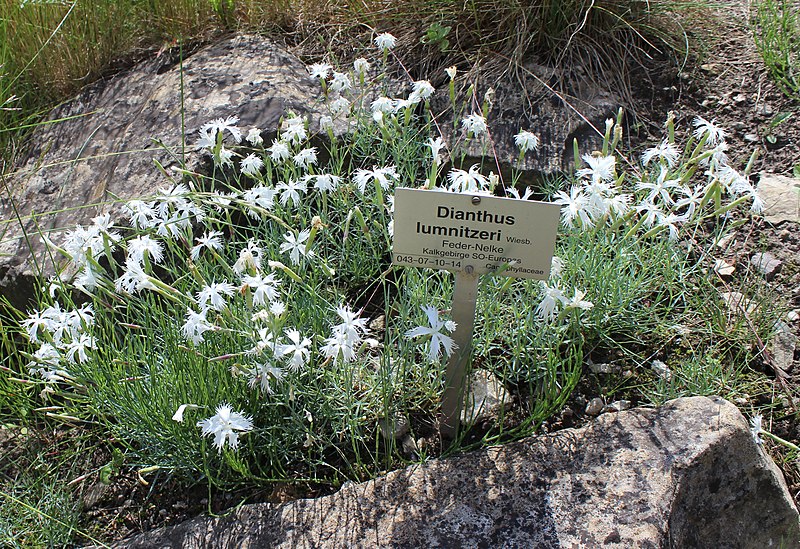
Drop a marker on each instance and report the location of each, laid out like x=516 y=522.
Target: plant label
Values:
x=474 y=233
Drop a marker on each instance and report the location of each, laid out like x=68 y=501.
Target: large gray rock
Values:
x=688 y=474
x=104 y=152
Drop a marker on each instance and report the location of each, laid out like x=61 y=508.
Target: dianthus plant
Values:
x=256 y=304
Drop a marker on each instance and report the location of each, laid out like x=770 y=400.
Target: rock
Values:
x=737 y=302
x=723 y=268
x=783 y=346
x=595 y=406
x=662 y=370
x=487 y=397
x=394 y=428
x=106 y=151
x=602 y=367
x=781 y=197
x=687 y=474
x=617 y=406
x=766 y=263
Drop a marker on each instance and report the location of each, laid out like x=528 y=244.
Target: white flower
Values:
x=381 y=175
x=249 y=258
x=339 y=106
x=756 y=429
x=305 y=158
x=79 y=347
x=141 y=214
x=439 y=341
x=325 y=123
x=251 y=164
x=295 y=245
x=178 y=415
x=664 y=151
x=262 y=374
x=601 y=168
x=661 y=187
x=577 y=301
x=467 y=182
x=422 y=89
x=133 y=279
x=195 y=325
x=346 y=336
x=526 y=141
x=140 y=245
x=384 y=105
x=294 y=129
x=254 y=137
x=210 y=240
x=214 y=295
x=264 y=288
x=703 y=127
x=474 y=124
x=319 y=70
x=297 y=350
x=325 y=182
x=547 y=308
x=291 y=191
x=436 y=146
x=340 y=82
x=361 y=66
x=279 y=151
x=574 y=207
x=451 y=72
x=385 y=41
x=259 y=197
x=220 y=125
x=652 y=213
x=224 y=426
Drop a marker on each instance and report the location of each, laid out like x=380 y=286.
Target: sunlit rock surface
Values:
x=685 y=475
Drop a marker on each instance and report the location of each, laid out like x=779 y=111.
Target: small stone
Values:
x=793 y=316
x=410 y=446
x=737 y=302
x=627 y=373
x=785 y=234
x=661 y=369
x=751 y=138
x=595 y=406
x=741 y=401
x=783 y=346
x=394 y=427
x=487 y=397
x=740 y=98
x=739 y=126
x=617 y=406
x=723 y=268
x=765 y=110
x=781 y=196
x=602 y=368
x=767 y=263
x=163 y=513
x=725 y=240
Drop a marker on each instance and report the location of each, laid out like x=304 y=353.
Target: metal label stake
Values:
x=465 y=296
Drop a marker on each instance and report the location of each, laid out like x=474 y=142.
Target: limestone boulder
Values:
x=688 y=474
x=101 y=147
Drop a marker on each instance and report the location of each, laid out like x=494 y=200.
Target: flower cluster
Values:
x=664 y=196
x=64 y=338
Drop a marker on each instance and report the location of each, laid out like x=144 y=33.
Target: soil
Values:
x=729 y=84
